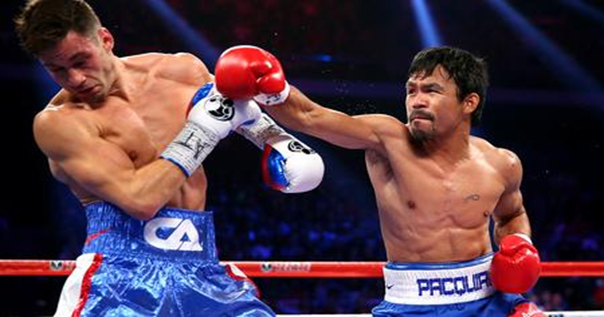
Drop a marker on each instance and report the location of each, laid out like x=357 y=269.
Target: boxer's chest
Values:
x=466 y=195
x=146 y=124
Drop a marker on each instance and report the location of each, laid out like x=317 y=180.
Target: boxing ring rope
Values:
x=314 y=269
x=281 y=269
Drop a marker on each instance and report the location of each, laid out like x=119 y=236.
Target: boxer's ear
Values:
x=470 y=103
x=106 y=39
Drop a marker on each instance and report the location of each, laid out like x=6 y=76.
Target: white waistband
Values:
x=428 y=284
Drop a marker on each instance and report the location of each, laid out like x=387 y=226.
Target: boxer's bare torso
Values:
x=435 y=209
x=436 y=186
x=141 y=113
x=141 y=127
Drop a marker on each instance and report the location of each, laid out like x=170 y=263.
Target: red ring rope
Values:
x=310 y=269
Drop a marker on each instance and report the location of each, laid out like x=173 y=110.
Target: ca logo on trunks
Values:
x=172 y=234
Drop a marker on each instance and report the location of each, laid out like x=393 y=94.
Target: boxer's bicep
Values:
x=100 y=167
x=509 y=206
x=510 y=203
x=510 y=214
x=104 y=173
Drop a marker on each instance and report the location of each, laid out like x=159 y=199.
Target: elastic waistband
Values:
x=172 y=234
x=438 y=283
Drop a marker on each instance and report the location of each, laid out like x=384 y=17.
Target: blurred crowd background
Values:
x=546 y=103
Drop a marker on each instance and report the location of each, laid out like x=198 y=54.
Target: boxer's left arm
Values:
x=288 y=164
x=516 y=266
x=509 y=214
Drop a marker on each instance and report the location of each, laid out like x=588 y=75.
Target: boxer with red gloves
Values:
x=258 y=75
x=515 y=267
x=436 y=186
x=288 y=164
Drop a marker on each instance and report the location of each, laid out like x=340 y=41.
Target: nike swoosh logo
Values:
x=390 y=286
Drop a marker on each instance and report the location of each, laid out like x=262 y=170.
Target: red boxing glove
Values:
x=516 y=266
x=244 y=72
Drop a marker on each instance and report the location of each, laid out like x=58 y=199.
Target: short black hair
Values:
x=44 y=23
x=468 y=71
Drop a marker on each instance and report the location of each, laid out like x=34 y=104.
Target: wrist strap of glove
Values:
x=190 y=147
x=524 y=236
x=261 y=130
x=274 y=99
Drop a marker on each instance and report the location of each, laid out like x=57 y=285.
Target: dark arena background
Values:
x=546 y=103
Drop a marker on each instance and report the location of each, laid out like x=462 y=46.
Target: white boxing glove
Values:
x=210 y=119
x=288 y=165
x=291 y=166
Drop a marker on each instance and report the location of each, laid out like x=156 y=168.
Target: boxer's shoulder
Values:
x=490 y=151
x=503 y=160
x=61 y=109
x=181 y=67
x=61 y=121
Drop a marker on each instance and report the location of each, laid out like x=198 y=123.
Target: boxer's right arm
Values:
x=300 y=113
x=103 y=168
x=210 y=119
x=247 y=71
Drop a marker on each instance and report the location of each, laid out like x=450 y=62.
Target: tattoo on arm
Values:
x=474 y=197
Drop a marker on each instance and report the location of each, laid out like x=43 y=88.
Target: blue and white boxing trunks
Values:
x=166 y=266
x=458 y=289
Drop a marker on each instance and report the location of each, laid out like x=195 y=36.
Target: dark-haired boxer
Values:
x=436 y=185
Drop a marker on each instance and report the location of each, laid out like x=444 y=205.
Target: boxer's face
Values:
x=432 y=104
x=82 y=64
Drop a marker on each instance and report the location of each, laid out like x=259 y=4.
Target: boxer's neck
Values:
x=121 y=86
x=449 y=148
